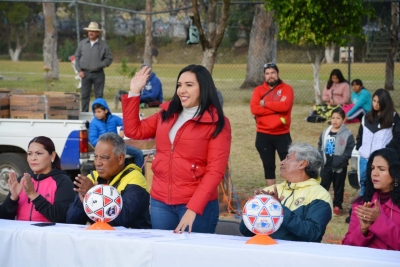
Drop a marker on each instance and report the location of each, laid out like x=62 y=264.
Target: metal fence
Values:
x=125 y=37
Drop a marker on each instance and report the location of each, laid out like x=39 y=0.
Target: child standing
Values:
x=335 y=145
x=104 y=122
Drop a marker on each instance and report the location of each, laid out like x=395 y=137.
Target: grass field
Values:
x=246 y=167
x=228 y=78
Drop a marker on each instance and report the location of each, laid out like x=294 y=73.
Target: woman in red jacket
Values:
x=193 y=139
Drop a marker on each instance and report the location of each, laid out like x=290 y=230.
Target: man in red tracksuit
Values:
x=271 y=105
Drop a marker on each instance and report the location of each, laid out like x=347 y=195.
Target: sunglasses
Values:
x=269 y=65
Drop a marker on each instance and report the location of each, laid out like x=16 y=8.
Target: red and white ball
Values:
x=263 y=214
x=102 y=203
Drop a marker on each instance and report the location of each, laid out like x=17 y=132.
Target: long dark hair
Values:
x=208 y=98
x=392 y=157
x=49 y=147
x=386 y=109
x=338 y=74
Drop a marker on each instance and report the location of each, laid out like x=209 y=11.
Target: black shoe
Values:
x=347 y=220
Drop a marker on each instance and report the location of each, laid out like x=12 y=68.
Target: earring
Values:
x=396 y=184
x=52 y=160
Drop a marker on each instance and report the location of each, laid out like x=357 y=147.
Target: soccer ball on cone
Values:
x=263 y=214
x=102 y=203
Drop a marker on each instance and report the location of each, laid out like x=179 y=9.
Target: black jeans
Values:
x=338 y=179
x=266 y=145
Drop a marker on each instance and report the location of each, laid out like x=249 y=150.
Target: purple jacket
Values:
x=384 y=233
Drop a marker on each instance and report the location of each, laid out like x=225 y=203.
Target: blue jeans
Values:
x=167 y=217
x=362 y=168
x=137 y=154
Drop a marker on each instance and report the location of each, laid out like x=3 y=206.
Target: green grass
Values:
x=29 y=76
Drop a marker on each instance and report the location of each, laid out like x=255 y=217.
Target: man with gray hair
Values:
x=307 y=206
x=109 y=161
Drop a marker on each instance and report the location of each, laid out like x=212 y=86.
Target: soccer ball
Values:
x=102 y=203
x=263 y=214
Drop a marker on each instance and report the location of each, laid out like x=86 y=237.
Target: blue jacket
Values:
x=361 y=100
x=98 y=127
x=132 y=186
x=152 y=89
x=307 y=208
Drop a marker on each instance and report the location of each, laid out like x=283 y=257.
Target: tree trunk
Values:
x=15 y=53
x=316 y=66
x=50 y=40
x=262 y=47
x=103 y=20
x=209 y=58
x=330 y=53
x=394 y=41
x=148 y=35
x=212 y=37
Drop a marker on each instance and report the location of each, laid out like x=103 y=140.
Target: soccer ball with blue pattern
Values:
x=263 y=214
x=102 y=203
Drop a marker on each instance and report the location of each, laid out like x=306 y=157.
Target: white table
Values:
x=22 y=244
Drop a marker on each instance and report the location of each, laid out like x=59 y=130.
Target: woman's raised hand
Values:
x=14 y=186
x=139 y=80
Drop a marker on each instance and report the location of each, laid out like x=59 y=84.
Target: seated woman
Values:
x=49 y=202
x=335 y=94
x=361 y=102
x=375 y=220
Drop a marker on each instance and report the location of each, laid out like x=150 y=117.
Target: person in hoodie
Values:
x=335 y=146
x=109 y=160
x=42 y=194
x=152 y=91
x=379 y=128
x=104 y=122
x=271 y=104
x=307 y=206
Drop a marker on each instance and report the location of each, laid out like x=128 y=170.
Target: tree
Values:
x=148 y=35
x=316 y=24
x=212 y=37
x=14 y=20
x=394 y=42
x=50 y=40
x=262 y=46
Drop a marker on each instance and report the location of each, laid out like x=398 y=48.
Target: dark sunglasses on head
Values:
x=269 y=65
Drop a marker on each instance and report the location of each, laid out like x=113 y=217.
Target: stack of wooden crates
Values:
x=45 y=105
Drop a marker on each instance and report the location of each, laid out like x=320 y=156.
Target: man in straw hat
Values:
x=91 y=57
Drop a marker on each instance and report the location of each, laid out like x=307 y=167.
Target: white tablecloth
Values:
x=22 y=244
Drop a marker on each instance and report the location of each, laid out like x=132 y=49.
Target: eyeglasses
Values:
x=269 y=65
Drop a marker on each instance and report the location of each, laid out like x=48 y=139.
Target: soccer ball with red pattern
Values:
x=263 y=214
x=102 y=203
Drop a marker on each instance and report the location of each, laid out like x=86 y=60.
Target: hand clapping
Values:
x=139 y=80
x=367 y=215
x=14 y=186
x=84 y=184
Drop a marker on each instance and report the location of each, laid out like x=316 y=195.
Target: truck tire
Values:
x=11 y=161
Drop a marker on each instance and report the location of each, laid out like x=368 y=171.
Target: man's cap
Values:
x=271 y=65
x=93 y=27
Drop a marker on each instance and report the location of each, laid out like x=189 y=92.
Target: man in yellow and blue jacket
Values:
x=306 y=204
x=109 y=160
